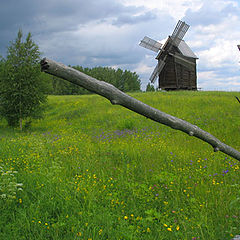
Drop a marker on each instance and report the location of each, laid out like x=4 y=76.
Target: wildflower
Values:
x=79 y=234
x=100 y=231
x=177 y=228
x=169 y=229
x=148 y=230
x=125 y=217
x=20 y=200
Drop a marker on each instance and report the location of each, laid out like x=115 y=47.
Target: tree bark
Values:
x=20 y=124
x=117 y=97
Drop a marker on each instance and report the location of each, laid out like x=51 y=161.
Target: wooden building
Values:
x=179 y=71
x=176 y=68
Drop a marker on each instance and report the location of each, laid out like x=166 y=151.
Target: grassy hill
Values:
x=91 y=170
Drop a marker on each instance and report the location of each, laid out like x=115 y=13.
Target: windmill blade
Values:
x=150 y=44
x=179 y=32
x=157 y=71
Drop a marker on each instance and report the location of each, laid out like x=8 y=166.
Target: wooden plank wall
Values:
x=176 y=76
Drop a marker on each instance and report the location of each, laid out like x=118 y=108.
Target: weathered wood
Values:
x=117 y=97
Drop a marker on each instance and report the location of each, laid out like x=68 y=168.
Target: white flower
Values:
x=3 y=196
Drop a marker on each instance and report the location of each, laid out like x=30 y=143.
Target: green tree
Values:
x=124 y=80
x=22 y=92
x=150 y=88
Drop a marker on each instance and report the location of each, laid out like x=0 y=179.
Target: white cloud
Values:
x=175 y=8
x=223 y=54
x=107 y=33
x=209 y=80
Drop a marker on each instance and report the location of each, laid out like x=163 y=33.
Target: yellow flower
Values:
x=125 y=217
x=79 y=234
x=177 y=228
x=165 y=225
x=148 y=230
x=169 y=229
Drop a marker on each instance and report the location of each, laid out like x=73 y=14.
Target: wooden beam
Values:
x=118 y=97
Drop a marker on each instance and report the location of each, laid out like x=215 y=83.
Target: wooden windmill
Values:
x=176 y=68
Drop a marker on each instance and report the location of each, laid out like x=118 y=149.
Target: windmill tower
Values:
x=176 y=68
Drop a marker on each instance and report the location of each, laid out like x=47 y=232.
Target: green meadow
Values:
x=91 y=170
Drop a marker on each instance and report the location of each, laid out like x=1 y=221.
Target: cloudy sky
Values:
x=107 y=33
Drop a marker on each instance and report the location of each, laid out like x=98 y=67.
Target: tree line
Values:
x=124 y=80
x=24 y=88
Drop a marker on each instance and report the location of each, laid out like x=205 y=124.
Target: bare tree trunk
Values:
x=117 y=97
x=20 y=124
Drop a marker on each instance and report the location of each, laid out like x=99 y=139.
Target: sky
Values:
x=107 y=33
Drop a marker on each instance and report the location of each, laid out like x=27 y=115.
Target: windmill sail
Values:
x=150 y=44
x=179 y=32
x=157 y=71
x=180 y=60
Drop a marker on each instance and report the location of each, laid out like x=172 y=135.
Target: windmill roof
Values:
x=183 y=48
x=186 y=50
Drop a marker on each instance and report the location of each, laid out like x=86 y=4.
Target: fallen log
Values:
x=118 y=97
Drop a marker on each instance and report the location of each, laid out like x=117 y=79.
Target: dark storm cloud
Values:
x=51 y=16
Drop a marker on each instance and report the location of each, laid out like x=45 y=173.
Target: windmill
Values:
x=176 y=68
x=238 y=47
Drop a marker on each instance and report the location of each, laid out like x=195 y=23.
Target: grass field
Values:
x=91 y=170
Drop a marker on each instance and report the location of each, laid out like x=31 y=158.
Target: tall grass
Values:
x=90 y=170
